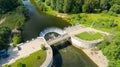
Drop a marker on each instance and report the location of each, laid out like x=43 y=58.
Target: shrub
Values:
x=43 y=47
x=115 y=8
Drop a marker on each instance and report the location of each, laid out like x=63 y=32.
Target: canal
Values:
x=65 y=55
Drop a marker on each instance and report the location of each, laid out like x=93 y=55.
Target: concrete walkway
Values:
x=26 y=50
x=73 y=30
x=49 y=58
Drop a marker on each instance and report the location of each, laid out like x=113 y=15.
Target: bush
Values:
x=16 y=39
x=43 y=47
x=115 y=8
x=21 y=65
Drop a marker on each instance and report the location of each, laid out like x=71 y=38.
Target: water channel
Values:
x=65 y=55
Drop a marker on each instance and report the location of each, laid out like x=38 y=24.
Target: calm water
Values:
x=65 y=55
x=39 y=22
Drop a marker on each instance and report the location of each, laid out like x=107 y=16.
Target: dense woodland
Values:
x=85 y=6
x=15 y=14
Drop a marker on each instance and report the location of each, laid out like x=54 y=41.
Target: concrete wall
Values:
x=49 y=55
x=84 y=44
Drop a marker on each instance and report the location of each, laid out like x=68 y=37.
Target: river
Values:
x=65 y=55
x=39 y=22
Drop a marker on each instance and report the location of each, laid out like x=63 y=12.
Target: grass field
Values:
x=89 y=36
x=33 y=60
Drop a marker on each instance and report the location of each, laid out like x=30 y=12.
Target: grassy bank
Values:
x=89 y=36
x=103 y=21
x=34 y=60
x=15 y=18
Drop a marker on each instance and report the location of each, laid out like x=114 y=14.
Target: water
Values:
x=65 y=55
x=39 y=22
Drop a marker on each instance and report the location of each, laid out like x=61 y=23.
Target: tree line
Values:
x=85 y=6
x=7 y=5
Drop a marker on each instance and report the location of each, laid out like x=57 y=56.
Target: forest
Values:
x=83 y=6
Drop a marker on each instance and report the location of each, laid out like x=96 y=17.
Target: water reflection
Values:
x=66 y=55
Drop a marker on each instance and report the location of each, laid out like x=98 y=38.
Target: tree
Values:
x=60 y=4
x=115 y=8
x=48 y=2
x=7 y=5
x=16 y=39
x=53 y=4
x=67 y=6
x=77 y=6
x=4 y=37
x=104 y=4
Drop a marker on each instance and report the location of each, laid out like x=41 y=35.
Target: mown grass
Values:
x=34 y=60
x=89 y=36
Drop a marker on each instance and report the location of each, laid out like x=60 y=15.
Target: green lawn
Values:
x=89 y=36
x=34 y=60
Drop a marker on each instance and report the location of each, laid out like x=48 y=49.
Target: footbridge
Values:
x=58 y=39
x=66 y=33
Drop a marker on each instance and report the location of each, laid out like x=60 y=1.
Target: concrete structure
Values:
x=53 y=29
x=35 y=44
x=70 y=32
x=49 y=59
x=28 y=48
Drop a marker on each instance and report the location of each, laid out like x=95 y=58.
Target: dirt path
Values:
x=2 y=20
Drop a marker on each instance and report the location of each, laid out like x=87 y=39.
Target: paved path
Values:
x=73 y=30
x=27 y=49
x=49 y=58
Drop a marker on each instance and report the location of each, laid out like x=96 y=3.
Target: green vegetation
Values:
x=103 y=21
x=89 y=36
x=99 y=14
x=15 y=15
x=79 y=6
x=15 y=18
x=16 y=39
x=111 y=48
x=4 y=37
x=34 y=60
x=43 y=47
x=6 y=5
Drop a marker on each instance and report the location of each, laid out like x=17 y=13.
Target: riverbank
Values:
x=96 y=56
x=104 y=21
